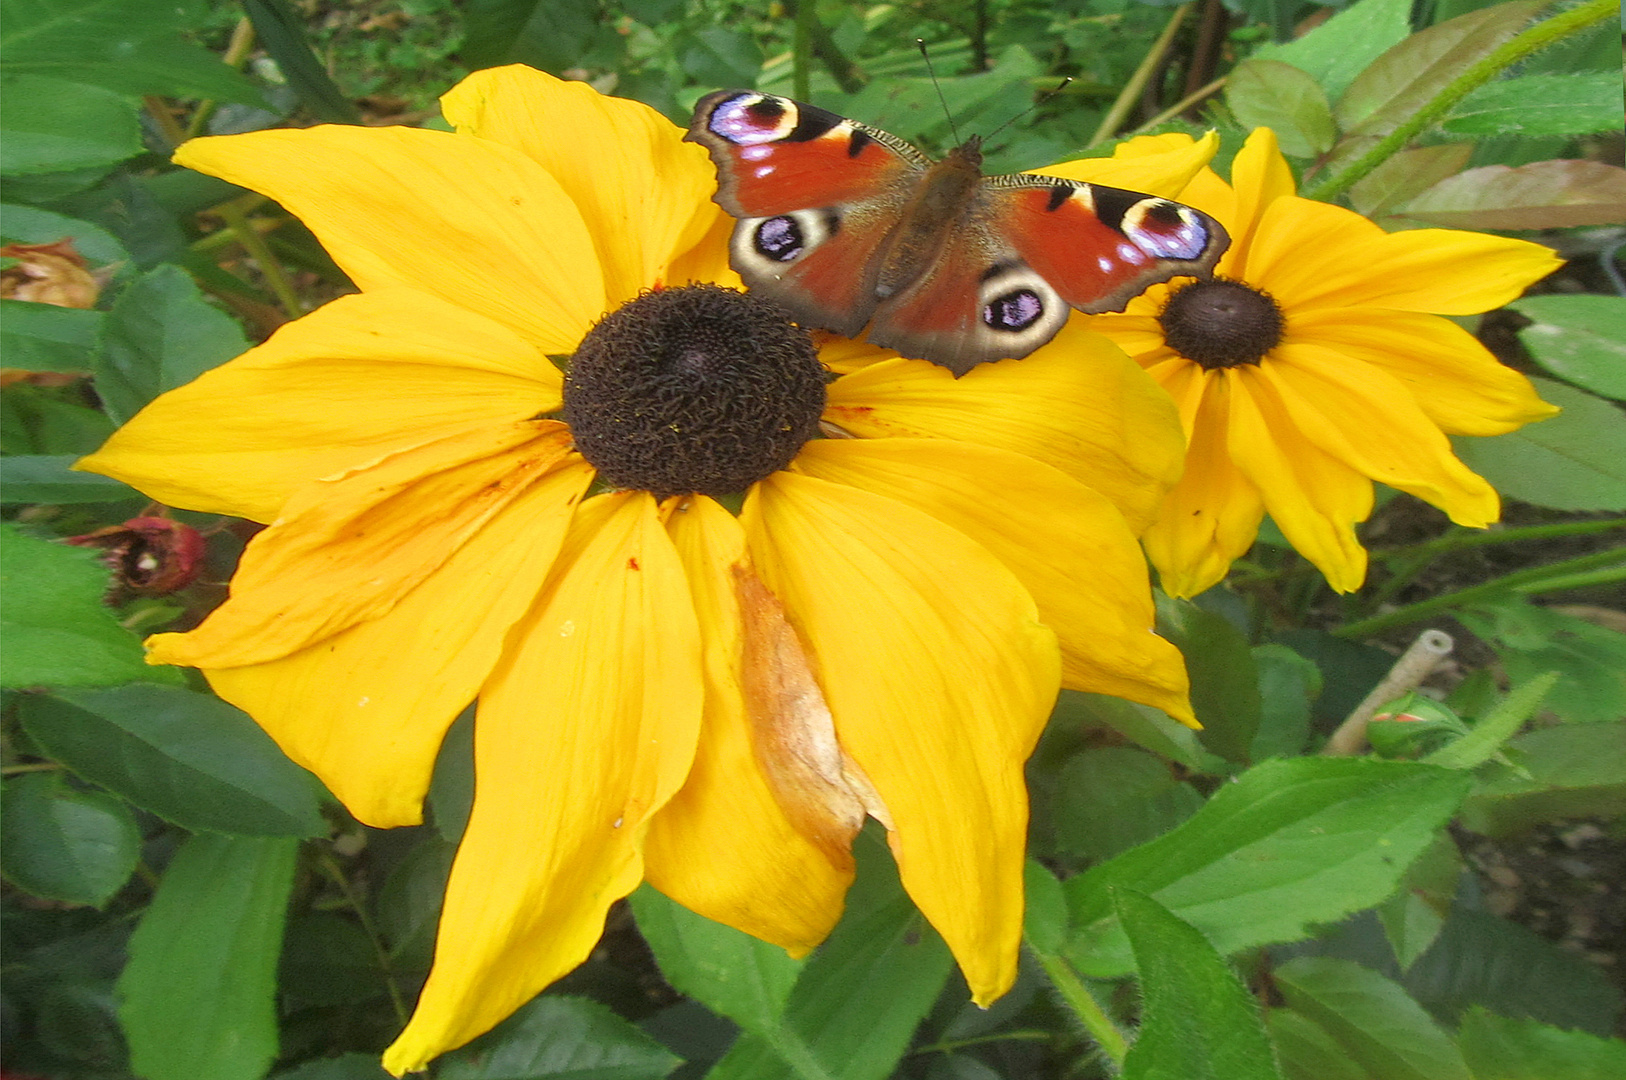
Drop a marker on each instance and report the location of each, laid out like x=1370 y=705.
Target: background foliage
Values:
x=181 y=902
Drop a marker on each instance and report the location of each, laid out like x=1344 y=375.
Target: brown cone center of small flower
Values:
x=697 y=389
x=1221 y=324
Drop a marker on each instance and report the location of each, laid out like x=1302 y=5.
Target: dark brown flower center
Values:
x=699 y=389
x=1221 y=324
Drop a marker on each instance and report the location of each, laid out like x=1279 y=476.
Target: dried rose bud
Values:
x=150 y=556
x=49 y=274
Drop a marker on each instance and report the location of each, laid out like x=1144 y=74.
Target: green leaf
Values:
x=1288 y=686
x=560 y=1038
x=719 y=56
x=189 y=758
x=281 y=32
x=1531 y=639
x=1577 y=104
x=1111 y=799
x=1407 y=175
x=878 y=973
x=1151 y=728
x=1372 y=1018
x=1580 y=338
x=328 y=959
x=133 y=47
x=1495 y=727
x=1336 y=51
x=31 y=225
x=1541 y=195
x=1044 y=921
x=1277 y=95
x=76 y=846
x=161 y=334
x=198 y=997
x=47 y=478
x=1499 y=1048
x=1412 y=73
x=52 y=125
x=1573 y=461
x=46 y=337
x=1198 y=1022
x=1572 y=770
x=731 y=973
x=409 y=902
x=55 y=631
x=1413 y=916
x=1480 y=959
x=1288 y=845
x=343 y=1067
x=1224 y=681
x=1307 y=1052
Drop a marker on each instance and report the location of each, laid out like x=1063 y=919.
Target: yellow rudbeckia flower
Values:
x=1316 y=363
x=665 y=690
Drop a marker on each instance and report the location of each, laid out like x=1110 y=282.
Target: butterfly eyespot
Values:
x=780 y=239
x=753 y=119
x=1014 y=311
x=1166 y=230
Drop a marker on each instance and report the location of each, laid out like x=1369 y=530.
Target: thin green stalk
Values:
x=802 y=47
x=1508 y=583
x=253 y=243
x=1072 y=990
x=335 y=873
x=1114 y=118
x=1200 y=94
x=1533 y=40
x=1414 y=558
x=237 y=50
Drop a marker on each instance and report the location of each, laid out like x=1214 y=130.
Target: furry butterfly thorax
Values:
x=847 y=227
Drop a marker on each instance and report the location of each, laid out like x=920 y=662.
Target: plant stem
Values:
x=1114 y=118
x=1417 y=556
x=1530 y=580
x=1072 y=990
x=1500 y=59
x=335 y=873
x=1182 y=105
x=254 y=243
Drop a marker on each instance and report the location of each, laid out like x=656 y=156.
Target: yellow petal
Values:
x=586 y=729
x=1212 y=515
x=940 y=678
x=1067 y=544
x=366 y=710
x=1078 y=404
x=469 y=220
x=644 y=193
x=1312 y=254
x=1156 y=165
x=1368 y=420
x=1299 y=244
x=349 y=549
x=707 y=261
x=723 y=847
x=352 y=380
x=1458 y=383
x=1314 y=498
x=1259 y=176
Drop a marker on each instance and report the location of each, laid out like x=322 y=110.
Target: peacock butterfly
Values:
x=845 y=226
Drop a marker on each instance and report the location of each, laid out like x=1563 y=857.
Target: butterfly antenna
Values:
x=920 y=43
x=1042 y=99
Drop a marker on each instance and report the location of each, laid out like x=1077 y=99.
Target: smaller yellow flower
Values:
x=1315 y=363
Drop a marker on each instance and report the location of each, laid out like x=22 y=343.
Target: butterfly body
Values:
x=846 y=226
